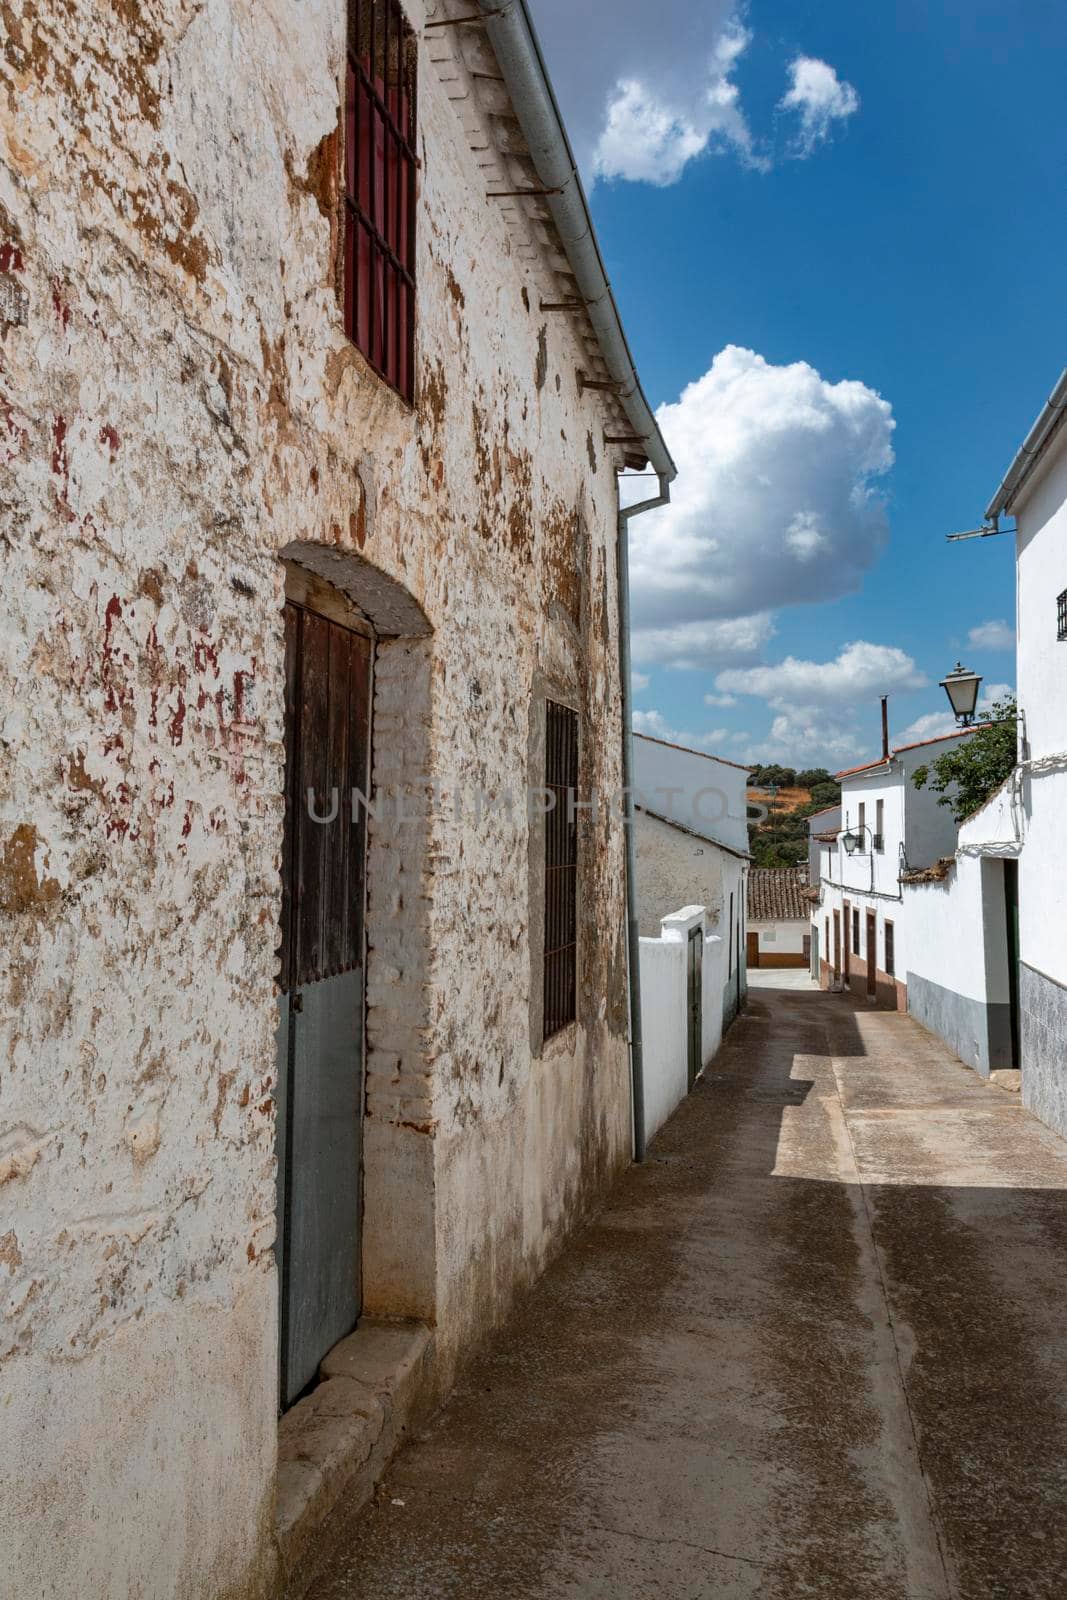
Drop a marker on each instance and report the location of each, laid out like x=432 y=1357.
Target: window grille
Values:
x=1061 y=616
x=380 y=162
x=561 y=869
x=855 y=933
x=890 y=953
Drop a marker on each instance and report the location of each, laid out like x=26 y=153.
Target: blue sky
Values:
x=866 y=204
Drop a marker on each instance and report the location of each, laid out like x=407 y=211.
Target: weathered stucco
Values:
x=180 y=405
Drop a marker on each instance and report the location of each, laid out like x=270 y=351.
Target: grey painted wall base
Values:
x=980 y=1034
x=1043 y=1027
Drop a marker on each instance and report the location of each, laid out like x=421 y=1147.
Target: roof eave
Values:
x=513 y=37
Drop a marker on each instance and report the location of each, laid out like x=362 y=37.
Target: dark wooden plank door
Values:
x=694 y=987
x=320 y=1044
x=872 y=955
x=752 y=948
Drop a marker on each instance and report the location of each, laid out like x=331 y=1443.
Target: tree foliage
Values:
x=973 y=769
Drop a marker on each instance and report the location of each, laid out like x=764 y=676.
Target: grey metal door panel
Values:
x=281 y=1124
x=323 y=1182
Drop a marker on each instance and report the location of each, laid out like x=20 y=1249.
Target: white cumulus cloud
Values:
x=776 y=503
x=642 y=93
x=859 y=672
x=653 y=129
x=700 y=644
x=820 y=98
x=992 y=636
x=656 y=726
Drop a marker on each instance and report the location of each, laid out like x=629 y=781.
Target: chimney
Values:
x=885 y=727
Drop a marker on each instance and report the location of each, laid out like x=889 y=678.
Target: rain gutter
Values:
x=1030 y=452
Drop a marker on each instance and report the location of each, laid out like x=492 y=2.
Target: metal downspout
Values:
x=633 y=926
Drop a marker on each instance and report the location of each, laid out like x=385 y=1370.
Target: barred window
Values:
x=561 y=869
x=380 y=160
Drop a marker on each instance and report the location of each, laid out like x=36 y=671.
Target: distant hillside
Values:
x=780 y=839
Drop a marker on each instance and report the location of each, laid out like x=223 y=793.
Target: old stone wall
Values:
x=179 y=405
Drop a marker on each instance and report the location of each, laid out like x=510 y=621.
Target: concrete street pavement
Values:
x=816 y=1346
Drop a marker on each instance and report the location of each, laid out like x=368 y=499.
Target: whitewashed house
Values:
x=987 y=941
x=893 y=828
x=1034 y=491
x=779 y=930
x=960 y=925
x=316 y=398
x=692 y=847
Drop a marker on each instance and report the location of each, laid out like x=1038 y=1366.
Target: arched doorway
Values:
x=332 y=643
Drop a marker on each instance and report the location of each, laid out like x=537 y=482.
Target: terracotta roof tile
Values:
x=776 y=894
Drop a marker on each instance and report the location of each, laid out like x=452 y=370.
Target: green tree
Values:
x=813 y=775
x=825 y=794
x=976 y=767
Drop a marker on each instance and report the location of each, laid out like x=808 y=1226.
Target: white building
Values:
x=692 y=847
x=779 y=930
x=962 y=938
x=1034 y=491
x=857 y=921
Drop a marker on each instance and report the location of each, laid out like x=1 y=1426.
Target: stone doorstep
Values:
x=338 y=1441
x=1009 y=1078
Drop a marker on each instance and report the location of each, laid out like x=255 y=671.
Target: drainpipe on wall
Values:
x=633 y=926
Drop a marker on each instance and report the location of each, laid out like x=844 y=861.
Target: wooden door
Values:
x=752 y=948
x=837 y=946
x=320 y=1041
x=872 y=955
x=848 y=942
x=695 y=1019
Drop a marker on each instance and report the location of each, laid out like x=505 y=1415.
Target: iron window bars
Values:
x=380 y=162
x=1061 y=616
x=561 y=869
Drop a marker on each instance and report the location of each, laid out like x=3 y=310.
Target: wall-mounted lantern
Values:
x=961 y=686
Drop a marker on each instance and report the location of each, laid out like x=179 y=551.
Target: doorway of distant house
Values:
x=837 y=947
x=1011 y=909
x=694 y=978
x=848 y=964
x=328 y=663
x=872 y=955
x=752 y=948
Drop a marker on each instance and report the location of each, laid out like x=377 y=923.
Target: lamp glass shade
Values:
x=961 y=686
x=852 y=842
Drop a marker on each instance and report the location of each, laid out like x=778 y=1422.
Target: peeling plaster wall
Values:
x=178 y=404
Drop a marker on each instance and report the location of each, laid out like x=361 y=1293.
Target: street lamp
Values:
x=961 y=686
x=853 y=840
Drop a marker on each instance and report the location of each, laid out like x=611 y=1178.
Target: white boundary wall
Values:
x=664 y=1011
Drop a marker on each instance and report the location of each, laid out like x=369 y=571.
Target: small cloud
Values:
x=656 y=726
x=652 y=131
x=820 y=98
x=720 y=700
x=639 y=681
x=992 y=636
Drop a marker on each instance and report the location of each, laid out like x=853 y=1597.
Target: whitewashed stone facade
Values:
x=181 y=410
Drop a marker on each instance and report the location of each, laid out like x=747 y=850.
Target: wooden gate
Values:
x=695 y=1016
x=320 y=1036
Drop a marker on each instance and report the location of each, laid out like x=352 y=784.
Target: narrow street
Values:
x=815 y=1347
